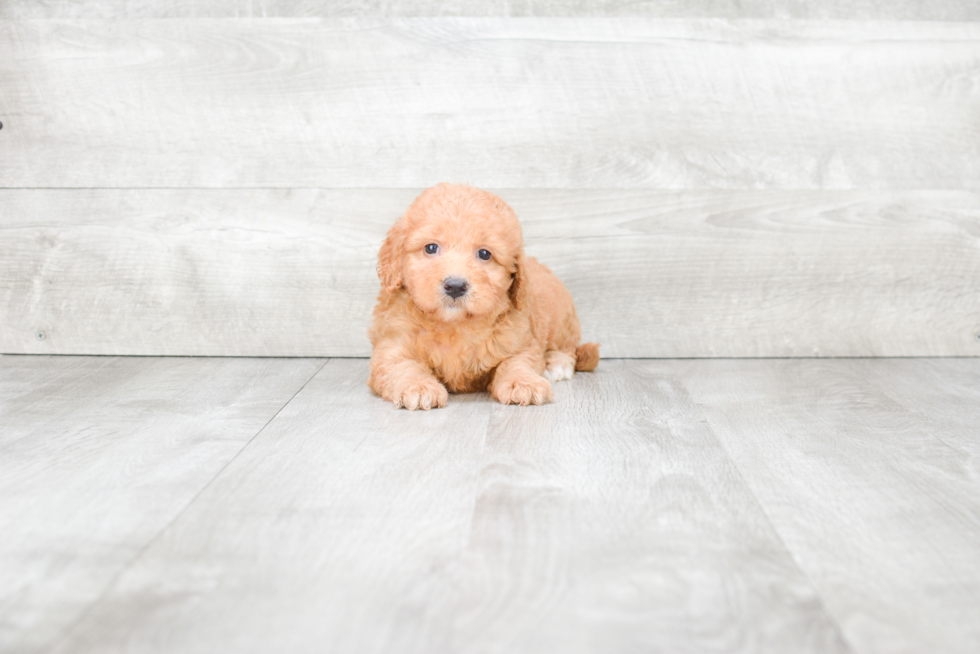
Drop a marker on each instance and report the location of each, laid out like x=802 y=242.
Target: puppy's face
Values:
x=456 y=252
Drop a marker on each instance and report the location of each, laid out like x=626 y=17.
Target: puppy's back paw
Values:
x=558 y=366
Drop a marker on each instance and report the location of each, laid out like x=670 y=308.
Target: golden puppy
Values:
x=461 y=308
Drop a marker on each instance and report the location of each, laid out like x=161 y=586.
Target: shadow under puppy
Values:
x=463 y=309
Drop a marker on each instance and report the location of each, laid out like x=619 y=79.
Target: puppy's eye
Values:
x=484 y=254
x=431 y=248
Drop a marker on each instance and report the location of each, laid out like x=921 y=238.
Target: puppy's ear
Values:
x=390 y=259
x=518 y=287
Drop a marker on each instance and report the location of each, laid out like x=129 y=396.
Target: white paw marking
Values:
x=557 y=373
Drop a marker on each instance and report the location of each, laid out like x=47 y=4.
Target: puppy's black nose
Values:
x=455 y=286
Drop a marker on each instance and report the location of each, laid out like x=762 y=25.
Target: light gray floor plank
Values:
x=676 y=506
x=798 y=9
x=272 y=272
x=529 y=103
x=613 y=521
x=332 y=532
x=943 y=397
x=98 y=455
x=856 y=470
x=609 y=521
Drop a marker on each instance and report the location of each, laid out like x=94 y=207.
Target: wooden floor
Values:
x=274 y=505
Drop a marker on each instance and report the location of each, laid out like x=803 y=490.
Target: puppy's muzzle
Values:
x=455 y=287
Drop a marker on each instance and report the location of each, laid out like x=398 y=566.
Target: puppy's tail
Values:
x=587 y=357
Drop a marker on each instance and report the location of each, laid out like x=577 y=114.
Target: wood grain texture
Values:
x=798 y=9
x=871 y=483
x=654 y=274
x=231 y=273
x=98 y=455
x=507 y=103
x=609 y=521
x=943 y=398
x=681 y=506
x=613 y=521
x=332 y=532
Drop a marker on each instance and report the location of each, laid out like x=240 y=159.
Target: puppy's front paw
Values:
x=422 y=394
x=529 y=389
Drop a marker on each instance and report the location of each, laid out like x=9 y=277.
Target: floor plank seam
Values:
x=831 y=618
x=149 y=543
x=898 y=402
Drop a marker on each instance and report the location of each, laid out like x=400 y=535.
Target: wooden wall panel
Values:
x=216 y=185
x=526 y=103
x=797 y=9
x=267 y=272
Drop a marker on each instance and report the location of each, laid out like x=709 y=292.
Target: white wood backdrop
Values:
x=798 y=9
x=505 y=103
x=213 y=185
x=277 y=272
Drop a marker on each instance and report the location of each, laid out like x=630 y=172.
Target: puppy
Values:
x=462 y=309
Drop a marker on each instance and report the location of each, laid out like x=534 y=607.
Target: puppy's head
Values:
x=458 y=253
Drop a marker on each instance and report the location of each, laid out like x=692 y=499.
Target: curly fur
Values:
x=513 y=331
